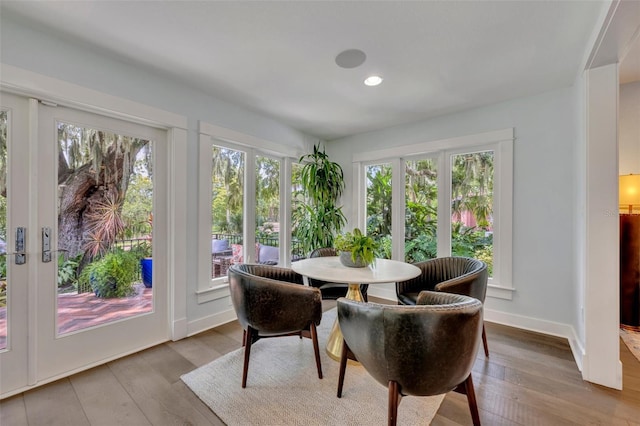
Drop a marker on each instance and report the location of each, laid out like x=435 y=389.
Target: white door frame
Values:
x=23 y=82
x=56 y=353
x=13 y=362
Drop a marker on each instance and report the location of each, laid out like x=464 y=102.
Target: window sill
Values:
x=500 y=292
x=218 y=291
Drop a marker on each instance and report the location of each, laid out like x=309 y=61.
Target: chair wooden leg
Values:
x=484 y=342
x=316 y=348
x=343 y=367
x=248 y=338
x=394 y=401
x=471 y=398
x=466 y=388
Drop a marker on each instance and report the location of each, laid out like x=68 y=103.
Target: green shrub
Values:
x=112 y=275
x=141 y=250
x=467 y=241
x=486 y=255
x=3 y=267
x=420 y=248
x=68 y=270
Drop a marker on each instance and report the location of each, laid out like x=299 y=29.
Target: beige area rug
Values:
x=631 y=338
x=283 y=388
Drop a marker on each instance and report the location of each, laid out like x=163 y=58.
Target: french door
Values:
x=70 y=175
x=14 y=214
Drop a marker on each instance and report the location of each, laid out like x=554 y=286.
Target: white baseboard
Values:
x=537 y=325
x=210 y=321
x=179 y=329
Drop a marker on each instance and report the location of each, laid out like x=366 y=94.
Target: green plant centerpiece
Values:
x=356 y=249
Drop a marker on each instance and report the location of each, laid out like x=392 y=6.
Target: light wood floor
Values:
x=529 y=379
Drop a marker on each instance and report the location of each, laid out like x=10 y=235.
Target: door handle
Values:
x=21 y=255
x=46 y=244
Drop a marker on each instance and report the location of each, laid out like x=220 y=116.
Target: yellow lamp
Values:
x=630 y=191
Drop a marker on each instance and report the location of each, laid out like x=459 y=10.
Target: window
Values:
x=379 y=198
x=457 y=201
x=421 y=210
x=227 y=208
x=297 y=199
x=472 y=206
x=243 y=215
x=267 y=210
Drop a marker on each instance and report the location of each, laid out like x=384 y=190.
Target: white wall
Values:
x=629 y=128
x=51 y=56
x=580 y=197
x=65 y=60
x=543 y=214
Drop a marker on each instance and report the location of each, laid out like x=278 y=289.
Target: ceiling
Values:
x=278 y=58
x=630 y=65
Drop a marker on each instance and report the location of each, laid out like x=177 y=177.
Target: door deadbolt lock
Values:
x=46 y=244
x=21 y=255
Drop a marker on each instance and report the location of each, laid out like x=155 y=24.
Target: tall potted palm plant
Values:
x=317 y=217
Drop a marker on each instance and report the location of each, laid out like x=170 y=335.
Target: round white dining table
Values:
x=330 y=269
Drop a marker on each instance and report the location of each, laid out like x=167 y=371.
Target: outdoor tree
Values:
x=219 y=208
x=94 y=172
x=267 y=189
x=421 y=198
x=228 y=175
x=379 y=200
x=138 y=203
x=472 y=186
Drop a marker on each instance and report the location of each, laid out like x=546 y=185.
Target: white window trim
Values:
x=211 y=289
x=501 y=143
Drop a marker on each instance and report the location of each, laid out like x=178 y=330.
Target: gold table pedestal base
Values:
x=335 y=342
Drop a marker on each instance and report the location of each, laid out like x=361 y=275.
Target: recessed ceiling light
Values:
x=373 y=80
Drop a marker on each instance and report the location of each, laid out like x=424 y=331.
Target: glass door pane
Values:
x=227 y=209
x=421 y=210
x=379 y=203
x=297 y=203
x=105 y=219
x=267 y=210
x=472 y=206
x=3 y=229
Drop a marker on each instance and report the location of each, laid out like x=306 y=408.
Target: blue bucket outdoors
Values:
x=147 y=271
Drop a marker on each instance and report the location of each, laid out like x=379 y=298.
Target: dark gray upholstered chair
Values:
x=459 y=275
x=421 y=350
x=271 y=302
x=333 y=290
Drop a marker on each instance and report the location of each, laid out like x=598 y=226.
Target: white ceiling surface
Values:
x=278 y=58
x=630 y=65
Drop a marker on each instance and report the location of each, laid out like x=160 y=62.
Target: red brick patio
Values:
x=80 y=311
